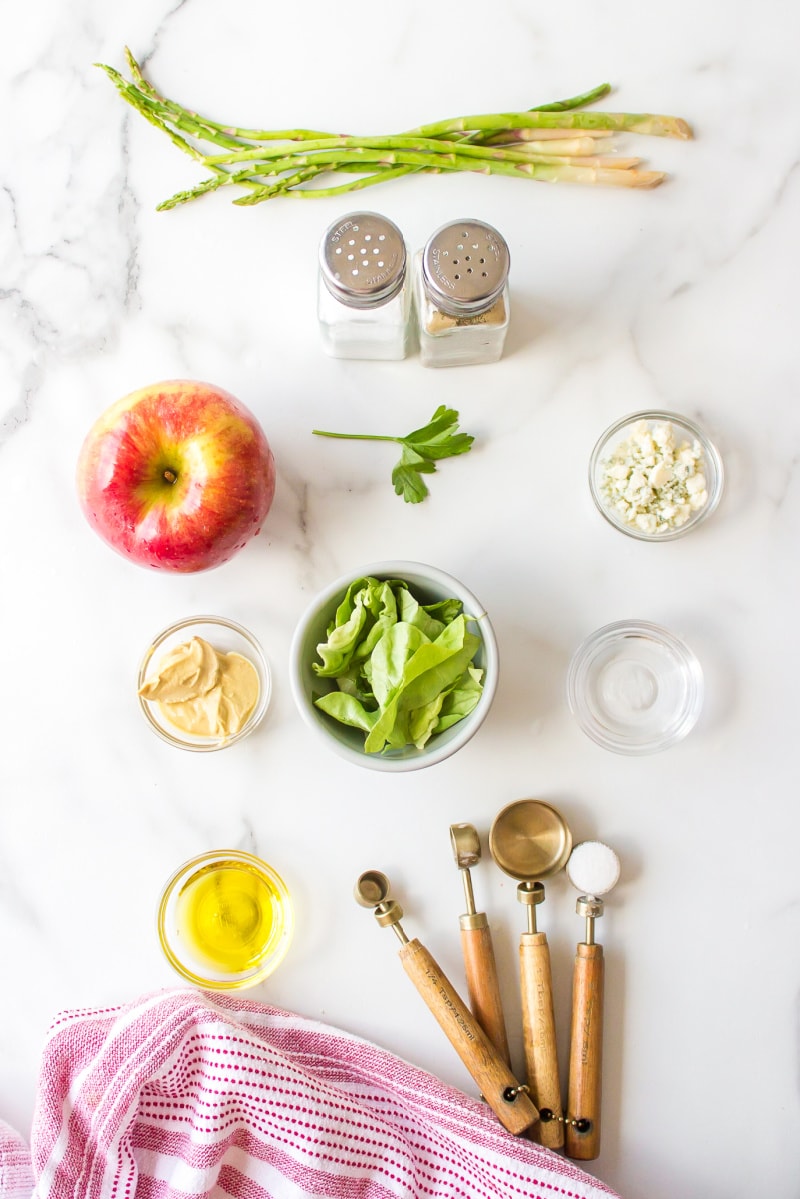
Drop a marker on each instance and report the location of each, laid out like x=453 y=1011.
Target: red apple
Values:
x=176 y=476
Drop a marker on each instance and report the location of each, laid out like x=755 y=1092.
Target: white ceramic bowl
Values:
x=428 y=585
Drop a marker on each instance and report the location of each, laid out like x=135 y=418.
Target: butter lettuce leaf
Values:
x=347 y=710
x=367 y=610
x=461 y=699
x=432 y=669
x=423 y=722
x=390 y=659
x=343 y=636
x=431 y=618
x=403 y=669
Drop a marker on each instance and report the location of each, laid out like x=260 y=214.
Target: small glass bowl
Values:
x=684 y=430
x=634 y=688
x=226 y=636
x=238 y=907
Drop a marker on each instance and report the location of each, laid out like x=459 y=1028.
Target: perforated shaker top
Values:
x=363 y=259
x=465 y=267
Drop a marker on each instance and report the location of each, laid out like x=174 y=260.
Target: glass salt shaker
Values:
x=461 y=295
x=363 y=298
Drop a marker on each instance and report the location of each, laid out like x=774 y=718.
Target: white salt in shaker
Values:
x=461 y=295
x=363 y=298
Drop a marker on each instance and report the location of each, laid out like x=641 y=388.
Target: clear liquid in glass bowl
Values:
x=635 y=688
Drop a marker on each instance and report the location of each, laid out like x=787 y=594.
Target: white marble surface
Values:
x=685 y=297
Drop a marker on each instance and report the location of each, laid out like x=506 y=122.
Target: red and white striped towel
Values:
x=181 y=1094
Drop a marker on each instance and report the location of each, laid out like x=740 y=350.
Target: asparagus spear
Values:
x=555 y=142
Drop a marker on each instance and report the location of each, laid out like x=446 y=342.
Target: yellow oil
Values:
x=230 y=916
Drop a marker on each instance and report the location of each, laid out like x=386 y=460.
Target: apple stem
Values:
x=170 y=476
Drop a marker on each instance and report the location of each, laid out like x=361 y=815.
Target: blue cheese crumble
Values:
x=653 y=482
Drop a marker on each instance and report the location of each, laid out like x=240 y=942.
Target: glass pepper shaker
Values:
x=461 y=295
x=363 y=298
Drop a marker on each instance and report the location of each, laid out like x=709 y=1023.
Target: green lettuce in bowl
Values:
x=395 y=668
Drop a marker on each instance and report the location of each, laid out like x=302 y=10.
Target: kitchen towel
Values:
x=184 y=1094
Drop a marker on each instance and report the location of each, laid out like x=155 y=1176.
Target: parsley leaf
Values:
x=422 y=448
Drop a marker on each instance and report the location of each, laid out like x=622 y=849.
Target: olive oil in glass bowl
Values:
x=225 y=920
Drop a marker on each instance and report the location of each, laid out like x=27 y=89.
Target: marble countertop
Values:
x=681 y=298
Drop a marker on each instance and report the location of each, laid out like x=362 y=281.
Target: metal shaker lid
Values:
x=363 y=259
x=465 y=267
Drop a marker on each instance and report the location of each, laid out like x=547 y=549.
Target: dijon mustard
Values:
x=202 y=691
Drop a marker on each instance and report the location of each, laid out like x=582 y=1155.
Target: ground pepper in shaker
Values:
x=461 y=295
x=363 y=298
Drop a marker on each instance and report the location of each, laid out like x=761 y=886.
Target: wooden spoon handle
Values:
x=586 y=1054
x=539 y=1033
x=496 y=1082
x=482 y=983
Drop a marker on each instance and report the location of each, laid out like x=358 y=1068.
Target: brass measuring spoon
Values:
x=476 y=945
x=593 y=869
x=505 y=1096
x=530 y=840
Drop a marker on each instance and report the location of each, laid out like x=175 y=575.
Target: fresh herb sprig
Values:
x=422 y=449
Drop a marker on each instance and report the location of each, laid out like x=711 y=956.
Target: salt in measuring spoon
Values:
x=593 y=868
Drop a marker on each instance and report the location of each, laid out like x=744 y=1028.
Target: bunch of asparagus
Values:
x=557 y=142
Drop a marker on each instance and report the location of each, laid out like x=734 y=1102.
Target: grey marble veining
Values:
x=683 y=298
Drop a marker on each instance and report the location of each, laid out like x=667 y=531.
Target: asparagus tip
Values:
x=251 y=199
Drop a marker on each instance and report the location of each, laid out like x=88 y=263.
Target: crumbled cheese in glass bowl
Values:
x=655 y=475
